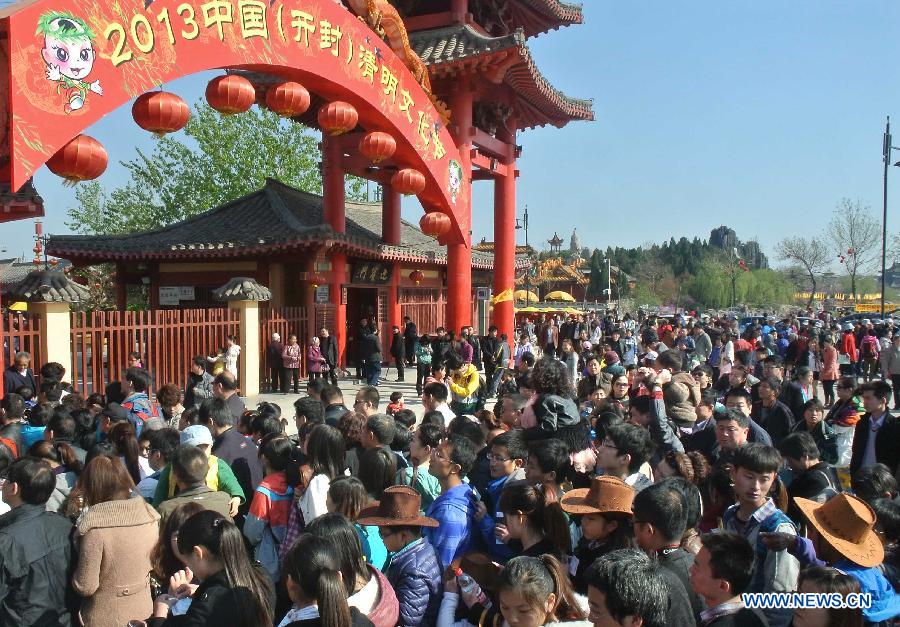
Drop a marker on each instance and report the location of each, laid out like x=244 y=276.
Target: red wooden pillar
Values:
x=459 y=254
x=333 y=202
x=505 y=233
x=390 y=233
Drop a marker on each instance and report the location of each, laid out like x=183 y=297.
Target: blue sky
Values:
x=759 y=115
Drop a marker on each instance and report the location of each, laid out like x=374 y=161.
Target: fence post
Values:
x=243 y=294
x=248 y=366
x=56 y=332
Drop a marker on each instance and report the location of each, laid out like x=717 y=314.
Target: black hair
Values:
x=6 y=459
x=774 y=360
x=313 y=564
x=405 y=418
x=739 y=392
x=732 y=414
x=35 y=479
x=114 y=392
x=527 y=359
x=395 y=396
x=377 y=471
x=39 y=415
x=223 y=539
x=199 y=361
x=641 y=404
x=453 y=361
x=53 y=370
x=13 y=406
x=331 y=394
x=138 y=378
x=430 y=434
x=633 y=440
x=690 y=498
x=315 y=386
x=461 y=425
x=773 y=383
x=190 y=465
x=879 y=388
x=535 y=579
x=705 y=368
x=542 y=511
x=311 y=408
x=326 y=451
x=190 y=416
x=671 y=359
x=277 y=450
x=757 y=457
x=264 y=425
x=550 y=376
x=874 y=482
x=369 y=393
x=340 y=532
x=227 y=381
x=798 y=445
x=662 y=506
x=217 y=412
x=551 y=455
x=462 y=453
x=730 y=558
x=166 y=441
x=62 y=425
x=632 y=586
x=382 y=427
x=433 y=417
x=269 y=409
x=436 y=389
x=514 y=443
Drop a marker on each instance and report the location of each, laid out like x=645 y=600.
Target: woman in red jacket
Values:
x=848 y=351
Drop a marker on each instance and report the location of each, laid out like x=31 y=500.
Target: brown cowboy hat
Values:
x=399 y=506
x=481 y=568
x=607 y=495
x=847 y=523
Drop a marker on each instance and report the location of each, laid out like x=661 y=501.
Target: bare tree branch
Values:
x=856 y=235
x=810 y=254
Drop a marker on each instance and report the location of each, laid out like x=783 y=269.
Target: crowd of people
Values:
x=604 y=471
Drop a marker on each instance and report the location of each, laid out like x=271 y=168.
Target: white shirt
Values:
x=444 y=408
x=869 y=456
x=312 y=503
x=366 y=598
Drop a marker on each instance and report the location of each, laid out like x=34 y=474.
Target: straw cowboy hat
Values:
x=399 y=506
x=607 y=495
x=847 y=523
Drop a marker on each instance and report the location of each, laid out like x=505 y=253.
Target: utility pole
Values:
x=523 y=224
x=886 y=154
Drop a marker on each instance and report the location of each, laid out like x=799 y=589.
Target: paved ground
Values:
x=348 y=387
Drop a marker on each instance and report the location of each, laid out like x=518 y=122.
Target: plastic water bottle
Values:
x=471 y=587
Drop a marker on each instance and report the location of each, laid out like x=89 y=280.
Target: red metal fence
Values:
x=21 y=332
x=285 y=321
x=166 y=339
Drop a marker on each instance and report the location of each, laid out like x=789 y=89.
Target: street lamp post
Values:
x=886 y=149
x=523 y=224
x=608 y=283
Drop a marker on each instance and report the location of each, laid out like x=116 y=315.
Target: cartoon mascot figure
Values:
x=69 y=54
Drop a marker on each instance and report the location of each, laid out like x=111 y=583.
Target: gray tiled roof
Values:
x=541 y=103
x=13 y=271
x=276 y=217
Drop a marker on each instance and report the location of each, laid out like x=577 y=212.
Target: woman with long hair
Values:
x=348 y=496
x=115 y=538
x=368 y=590
x=377 y=471
x=352 y=425
x=232 y=592
x=313 y=579
x=65 y=465
x=124 y=438
x=843 y=416
x=164 y=558
x=535 y=519
x=325 y=450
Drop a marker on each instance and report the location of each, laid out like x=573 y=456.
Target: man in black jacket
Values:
x=789 y=392
x=35 y=550
x=771 y=413
x=328 y=347
x=489 y=345
x=371 y=349
x=19 y=374
x=398 y=351
x=410 y=336
x=877 y=432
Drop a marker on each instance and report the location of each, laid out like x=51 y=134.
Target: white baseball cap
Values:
x=196 y=435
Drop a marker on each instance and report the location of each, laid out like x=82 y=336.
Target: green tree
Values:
x=219 y=158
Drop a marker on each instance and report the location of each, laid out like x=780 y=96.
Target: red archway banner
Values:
x=71 y=62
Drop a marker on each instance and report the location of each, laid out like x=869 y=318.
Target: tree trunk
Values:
x=812 y=295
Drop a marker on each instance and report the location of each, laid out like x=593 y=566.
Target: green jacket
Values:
x=424 y=483
x=223 y=480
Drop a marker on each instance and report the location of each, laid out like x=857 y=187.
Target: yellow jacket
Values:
x=464 y=385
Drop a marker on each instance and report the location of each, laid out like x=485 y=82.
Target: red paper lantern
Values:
x=850 y=251
x=377 y=146
x=82 y=159
x=337 y=118
x=416 y=276
x=160 y=112
x=230 y=94
x=288 y=99
x=408 y=181
x=435 y=223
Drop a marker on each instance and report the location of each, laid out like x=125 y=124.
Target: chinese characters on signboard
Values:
x=372 y=272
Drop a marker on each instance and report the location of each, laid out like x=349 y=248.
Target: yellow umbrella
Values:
x=559 y=295
x=18 y=307
x=526 y=295
x=572 y=310
x=529 y=309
